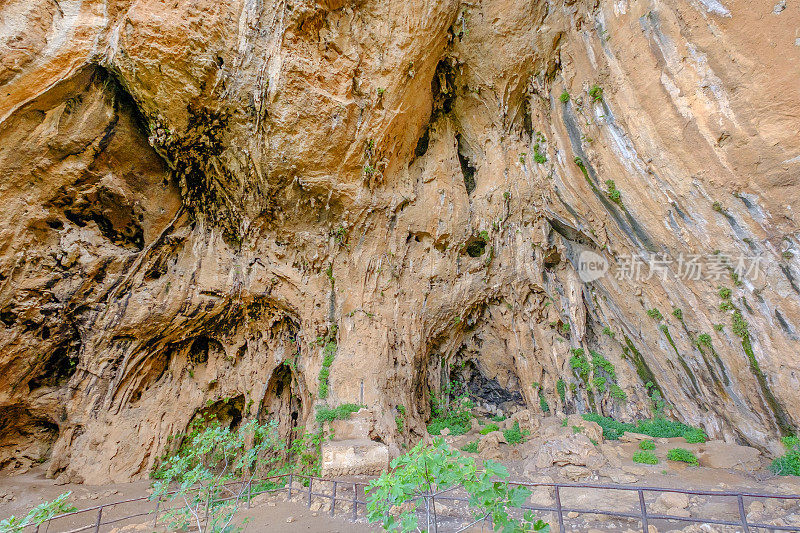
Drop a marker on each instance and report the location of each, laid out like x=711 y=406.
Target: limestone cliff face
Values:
x=202 y=199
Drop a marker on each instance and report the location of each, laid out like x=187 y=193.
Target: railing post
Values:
x=290 y=485
x=559 y=511
x=99 y=518
x=355 y=502
x=249 y=492
x=643 y=507
x=310 y=480
x=333 y=498
x=155 y=517
x=742 y=514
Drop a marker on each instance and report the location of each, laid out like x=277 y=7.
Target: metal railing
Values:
x=340 y=492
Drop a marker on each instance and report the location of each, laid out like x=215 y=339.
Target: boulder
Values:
x=719 y=454
x=667 y=501
x=590 y=429
x=358 y=426
x=576 y=450
x=358 y=457
x=489 y=445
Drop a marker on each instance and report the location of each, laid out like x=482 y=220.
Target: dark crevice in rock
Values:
x=467 y=169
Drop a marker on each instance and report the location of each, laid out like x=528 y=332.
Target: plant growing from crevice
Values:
x=677 y=313
x=564 y=98
x=613 y=192
x=789 y=463
x=514 y=435
x=561 y=389
x=340 y=412
x=450 y=410
x=617 y=393
x=596 y=92
x=655 y=314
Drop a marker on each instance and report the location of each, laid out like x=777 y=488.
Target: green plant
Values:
x=329 y=353
x=198 y=477
x=607 y=331
x=543 y=405
x=306 y=450
x=471 y=447
x=561 y=389
x=647 y=445
x=716 y=206
x=617 y=393
x=600 y=362
x=600 y=384
x=719 y=327
x=695 y=435
x=677 y=313
x=381 y=91
x=452 y=413
x=725 y=306
x=564 y=97
x=400 y=418
x=596 y=92
x=682 y=455
x=789 y=463
x=513 y=435
x=38 y=515
x=655 y=314
x=739 y=325
x=658 y=427
x=539 y=156
x=704 y=339
x=645 y=457
x=488 y=428
x=565 y=328
x=498 y=418
x=580 y=363
x=724 y=293
x=613 y=192
x=340 y=412
x=392 y=499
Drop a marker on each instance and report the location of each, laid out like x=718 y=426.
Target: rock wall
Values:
x=204 y=199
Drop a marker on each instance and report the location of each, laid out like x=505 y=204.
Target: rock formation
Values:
x=207 y=203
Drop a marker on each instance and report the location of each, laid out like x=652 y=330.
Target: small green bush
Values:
x=596 y=92
x=677 y=313
x=513 y=435
x=695 y=435
x=564 y=97
x=498 y=418
x=340 y=412
x=658 y=427
x=600 y=384
x=600 y=362
x=471 y=447
x=561 y=388
x=580 y=363
x=724 y=293
x=645 y=457
x=488 y=428
x=788 y=464
x=647 y=445
x=682 y=455
x=655 y=314
x=617 y=393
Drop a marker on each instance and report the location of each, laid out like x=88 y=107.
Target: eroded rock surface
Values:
x=201 y=200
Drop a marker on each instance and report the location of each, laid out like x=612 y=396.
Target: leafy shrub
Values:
x=677 y=313
x=564 y=97
x=682 y=455
x=195 y=477
x=580 y=363
x=724 y=293
x=695 y=435
x=329 y=353
x=645 y=457
x=454 y=414
x=38 y=515
x=647 y=445
x=704 y=339
x=600 y=384
x=658 y=427
x=617 y=393
x=600 y=362
x=471 y=447
x=561 y=388
x=488 y=428
x=498 y=418
x=428 y=469
x=789 y=463
x=513 y=435
x=340 y=412
x=655 y=314
x=596 y=92
x=543 y=405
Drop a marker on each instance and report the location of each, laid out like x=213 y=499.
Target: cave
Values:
x=282 y=403
x=201 y=347
x=227 y=412
x=26 y=438
x=483 y=390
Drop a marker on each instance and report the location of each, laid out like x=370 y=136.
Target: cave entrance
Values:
x=26 y=439
x=281 y=403
x=227 y=412
x=485 y=391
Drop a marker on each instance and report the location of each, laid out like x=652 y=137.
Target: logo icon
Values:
x=591 y=266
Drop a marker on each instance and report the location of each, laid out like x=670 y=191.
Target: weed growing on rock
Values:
x=607 y=331
x=677 y=313
x=789 y=463
x=613 y=192
x=488 y=428
x=599 y=362
x=645 y=457
x=617 y=393
x=564 y=97
x=596 y=92
x=514 y=435
x=682 y=455
x=654 y=314
x=471 y=447
x=580 y=363
x=658 y=427
x=340 y=412
x=561 y=388
x=647 y=445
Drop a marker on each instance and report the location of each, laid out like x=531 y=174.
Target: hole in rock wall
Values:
x=58 y=366
x=485 y=391
x=25 y=439
x=475 y=247
x=282 y=403
x=201 y=347
x=227 y=412
x=467 y=169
